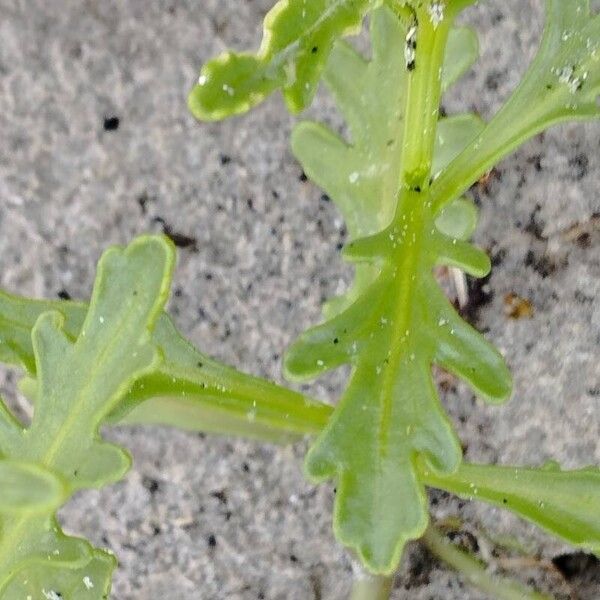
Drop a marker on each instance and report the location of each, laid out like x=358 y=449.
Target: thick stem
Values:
x=475 y=571
x=371 y=587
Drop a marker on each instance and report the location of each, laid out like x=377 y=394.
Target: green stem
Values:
x=495 y=142
x=475 y=571
x=371 y=587
x=424 y=89
x=250 y=406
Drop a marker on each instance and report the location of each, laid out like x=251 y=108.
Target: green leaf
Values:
x=453 y=136
x=79 y=381
x=29 y=487
x=395 y=322
x=363 y=176
x=187 y=389
x=298 y=37
x=458 y=219
x=392 y=334
x=564 y=503
x=192 y=390
x=91 y=581
x=17 y=318
x=462 y=52
x=562 y=84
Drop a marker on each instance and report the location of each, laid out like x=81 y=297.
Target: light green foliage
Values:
x=298 y=37
x=392 y=334
x=363 y=177
x=397 y=181
x=79 y=381
x=397 y=322
x=187 y=389
x=565 y=503
x=89 y=581
x=562 y=84
x=462 y=51
x=29 y=487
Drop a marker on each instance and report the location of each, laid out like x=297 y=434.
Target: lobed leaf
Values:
x=79 y=381
x=297 y=40
x=390 y=413
x=363 y=175
x=395 y=323
x=458 y=220
x=462 y=52
x=564 y=503
x=187 y=389
x=453 y=136
x=29 y=487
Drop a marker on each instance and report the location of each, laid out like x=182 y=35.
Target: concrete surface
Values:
x=208 y=518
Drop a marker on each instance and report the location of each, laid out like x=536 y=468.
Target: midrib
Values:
x=406 y=261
